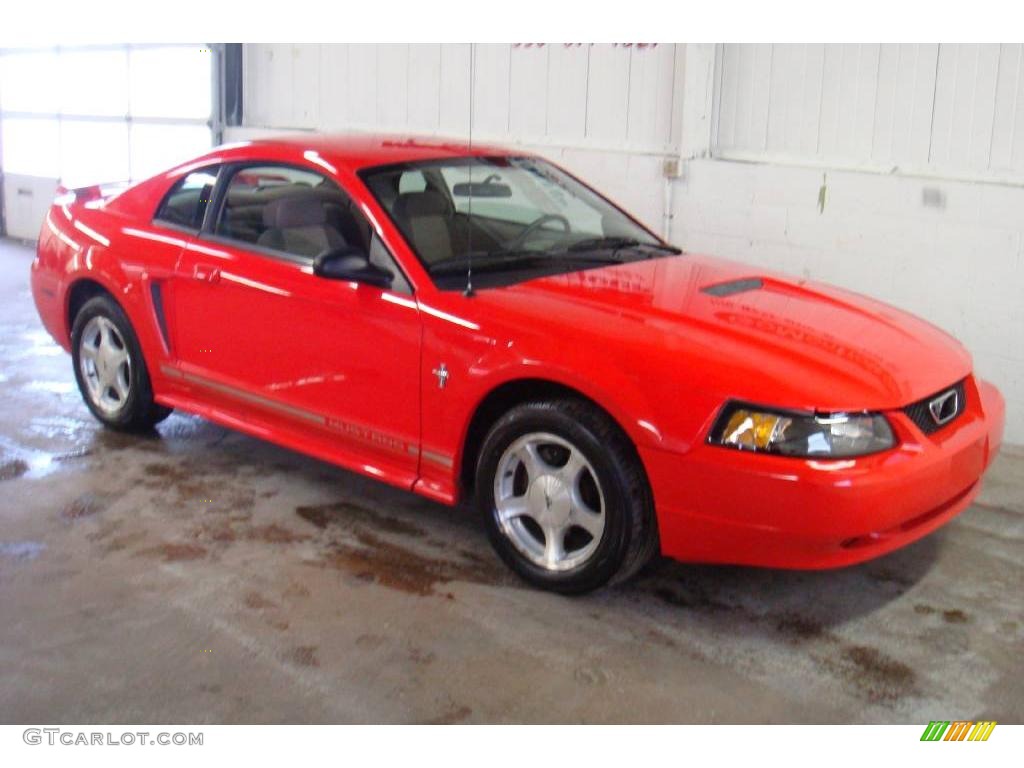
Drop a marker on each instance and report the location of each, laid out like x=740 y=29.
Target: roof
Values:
x=357 y=151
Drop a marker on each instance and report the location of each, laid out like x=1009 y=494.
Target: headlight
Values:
x=839 y=435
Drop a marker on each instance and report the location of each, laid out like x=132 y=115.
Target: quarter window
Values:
x=185 y=204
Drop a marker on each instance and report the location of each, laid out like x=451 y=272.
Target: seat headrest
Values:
x=294 y=211
x=430 y=202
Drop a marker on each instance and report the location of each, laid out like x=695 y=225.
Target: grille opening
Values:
x=920 y=412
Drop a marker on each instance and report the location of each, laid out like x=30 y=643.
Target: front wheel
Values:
x=565 y=498
x=109 y=368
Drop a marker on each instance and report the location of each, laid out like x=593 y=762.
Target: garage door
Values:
x=94 y=115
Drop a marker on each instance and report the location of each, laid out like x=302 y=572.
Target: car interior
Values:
x=288 y=210
x=292 y=216
x=421 y=206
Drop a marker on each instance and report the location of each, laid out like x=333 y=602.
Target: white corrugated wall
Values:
x=604 y=111
x=947 y=110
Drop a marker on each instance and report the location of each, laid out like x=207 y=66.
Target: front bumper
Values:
x=727 y=506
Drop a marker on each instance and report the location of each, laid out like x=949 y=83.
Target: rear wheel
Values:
x=110 y=370
x=564 y=495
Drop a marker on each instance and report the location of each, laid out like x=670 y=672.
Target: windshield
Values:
x=510 y=218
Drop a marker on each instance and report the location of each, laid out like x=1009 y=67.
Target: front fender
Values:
x=645 y=405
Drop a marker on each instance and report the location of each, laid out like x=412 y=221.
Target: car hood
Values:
x=760 y=336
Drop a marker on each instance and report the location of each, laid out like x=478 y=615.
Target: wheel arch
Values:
x=79 y=292
x=505 y=396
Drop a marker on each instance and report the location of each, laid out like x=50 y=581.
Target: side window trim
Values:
x=227 y=171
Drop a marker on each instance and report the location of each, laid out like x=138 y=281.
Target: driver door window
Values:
x=298 y=214
x=292 y=211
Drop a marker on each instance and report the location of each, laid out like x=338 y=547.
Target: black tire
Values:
x=629 y=538
x=138 y=412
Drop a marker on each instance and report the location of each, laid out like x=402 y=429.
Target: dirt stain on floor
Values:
x=231 y=530
x=9 y=470
x=799 y=629
x=454 y=713
x=874 y=675
x=681 y=596
x=951 y=616
x=171 y=552
x=258 y=602
x=86 y=505
x=274 y=534
x=303 y=655
x=359 y=541
x=392 y=565
x=346 y=514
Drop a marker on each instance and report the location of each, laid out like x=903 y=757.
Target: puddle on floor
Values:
x=54 y=387
x=21 y=550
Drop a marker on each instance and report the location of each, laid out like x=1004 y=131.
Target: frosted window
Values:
x=171 y=82
x=29 y=82
x=93 y=152
x=96 y=90
x=156 y=148
x=94 y=82
x=30 y=146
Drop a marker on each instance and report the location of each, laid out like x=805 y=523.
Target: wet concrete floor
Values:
x=198 y=575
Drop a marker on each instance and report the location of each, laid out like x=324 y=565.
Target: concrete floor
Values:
x=197 y=575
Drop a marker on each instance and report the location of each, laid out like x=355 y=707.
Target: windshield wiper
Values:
x=491 y=260
x=603 y=243
x=618 y=243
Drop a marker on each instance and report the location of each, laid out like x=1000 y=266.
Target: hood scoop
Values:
x=732 y=287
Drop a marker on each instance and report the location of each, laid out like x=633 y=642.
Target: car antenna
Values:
x=468 y=293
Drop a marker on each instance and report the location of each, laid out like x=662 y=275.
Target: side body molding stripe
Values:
x=359 y=432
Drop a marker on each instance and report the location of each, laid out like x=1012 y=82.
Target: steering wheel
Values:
x=535 y=225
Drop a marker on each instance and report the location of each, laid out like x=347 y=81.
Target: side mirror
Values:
x=351 y=263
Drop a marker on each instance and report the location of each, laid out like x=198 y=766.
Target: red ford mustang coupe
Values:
x=474 y=322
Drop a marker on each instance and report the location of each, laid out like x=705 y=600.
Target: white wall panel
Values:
x=652 y=94
x=306 y=87
x=568 y=69
x=528 y=90
x=362 y=85
x=1008 y=122
x=392 y=84
x=608 y=109
x=424 y=87
x=335 y=101
x=953 y=110
x=454 y=92
x=613 y=97
x=607 y=95
x=26 y=201
x=491 y=89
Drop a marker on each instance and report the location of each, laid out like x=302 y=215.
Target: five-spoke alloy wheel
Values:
x=106 y=365
x=548 y=501
x=565 y=498
x=109 y=367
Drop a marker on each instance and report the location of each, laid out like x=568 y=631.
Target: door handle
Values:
x=206 y=273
